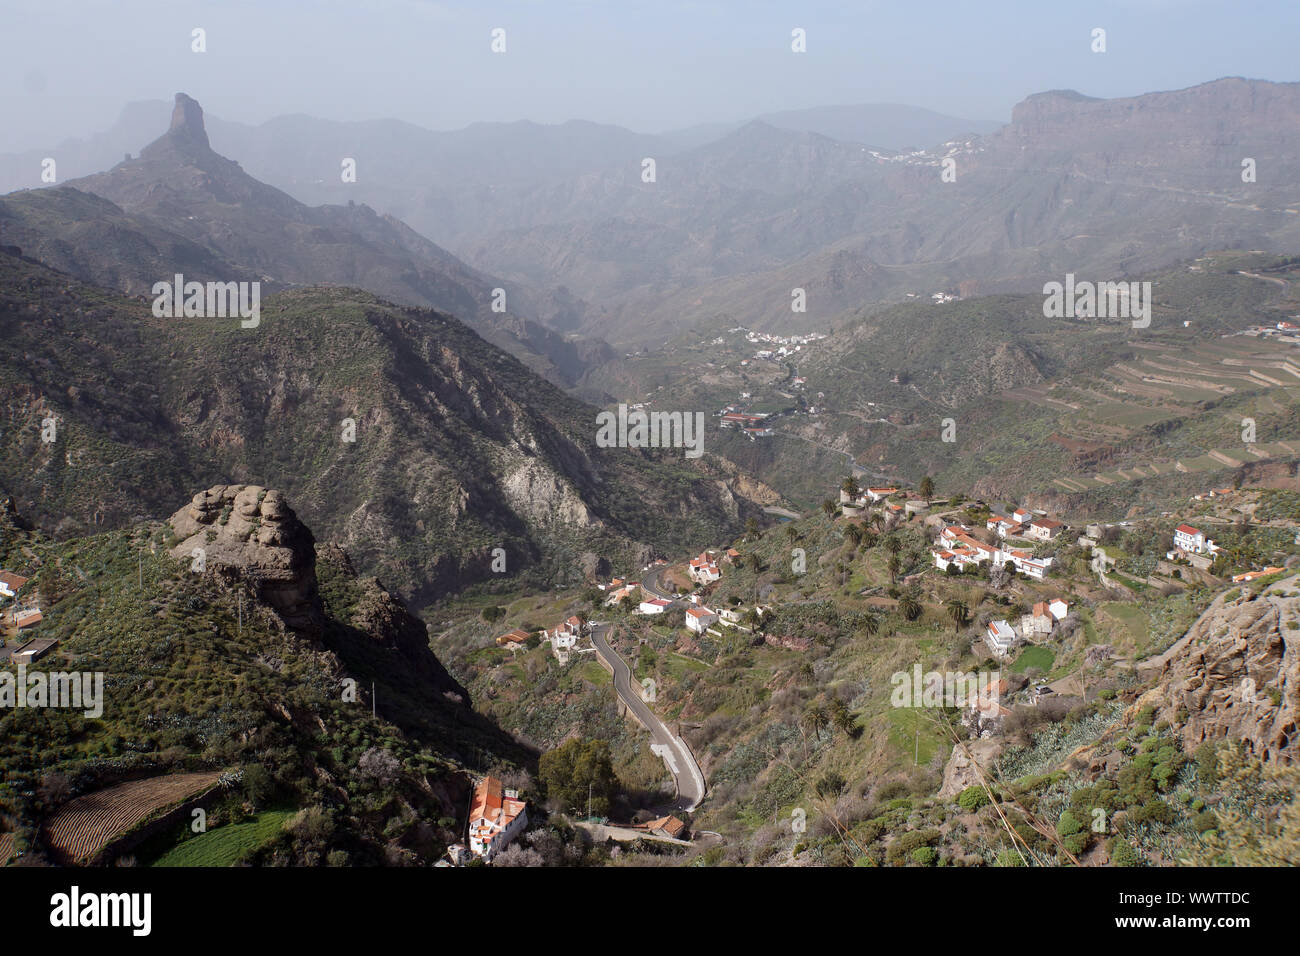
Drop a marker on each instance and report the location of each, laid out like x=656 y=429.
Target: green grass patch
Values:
x=1035 y=656
x=224 y=846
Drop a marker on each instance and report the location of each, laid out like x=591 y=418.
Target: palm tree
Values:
x=926 y=489
x=877 y=520
x=894 y=564
x=828 y=507
x=909 y=605
x=815 y=718
x=854 y=533
x=850 y=487
x=870 y=624
x=791 y=532
x=960 y=614
x=892 y=544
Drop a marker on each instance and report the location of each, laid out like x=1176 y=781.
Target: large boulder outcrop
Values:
x=1235 y=675
x=249 y=534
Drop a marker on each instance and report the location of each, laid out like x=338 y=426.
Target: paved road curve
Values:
x=676 y=755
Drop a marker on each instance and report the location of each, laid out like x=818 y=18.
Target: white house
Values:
x=700 y=619
x=1059 y=608
x=1192 y=540
x=1000 y=638
x=654 y=606
x=877 y=494
x=1028 y=565
x=1044 y=529
x=496 y=817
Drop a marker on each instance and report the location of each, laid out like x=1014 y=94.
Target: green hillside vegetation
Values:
x=446 y=426
x=188 y=685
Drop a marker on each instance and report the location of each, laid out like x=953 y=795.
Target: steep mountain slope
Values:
x=179 y=190
x=204 y=671
x=459 y=450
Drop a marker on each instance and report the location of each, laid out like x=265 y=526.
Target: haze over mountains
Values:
x=180 y=205
x=739 y=216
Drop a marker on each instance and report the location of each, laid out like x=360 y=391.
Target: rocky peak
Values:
x=186 y=133
x=250 y=535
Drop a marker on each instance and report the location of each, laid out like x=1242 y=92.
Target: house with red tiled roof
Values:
x=10 y=583
x=704 y=569
x=654 y=606
x=496 y=817
x=700 y=619
x=1038 y=622
x=668 y=826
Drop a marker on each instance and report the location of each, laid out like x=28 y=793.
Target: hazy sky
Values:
x=69 y=66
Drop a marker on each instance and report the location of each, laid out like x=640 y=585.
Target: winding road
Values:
x=671 y=748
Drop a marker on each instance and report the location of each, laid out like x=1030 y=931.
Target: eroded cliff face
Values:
x=1235 y=675
x=247 y=533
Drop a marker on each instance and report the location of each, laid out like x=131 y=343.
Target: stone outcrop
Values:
x=1235 y=675
x=249 y=534
x=960 y=773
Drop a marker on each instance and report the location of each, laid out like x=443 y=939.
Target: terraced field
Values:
x=225 y=845
x=81 y=828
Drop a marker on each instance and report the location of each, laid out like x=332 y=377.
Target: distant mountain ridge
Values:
x=224 y=224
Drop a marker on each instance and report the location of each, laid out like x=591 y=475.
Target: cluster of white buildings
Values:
x=958 y=548
x=1022 y=524
x=704 y=567
x=563 y=638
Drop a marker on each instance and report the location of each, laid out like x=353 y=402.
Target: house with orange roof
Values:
x=704 y=569
x=11 y=584
x=513 y=638
x=1000 y=638
x=496 y=817
x=700 y=619
x=1038 y=622
x=1252 y=575
x=668 y=826
x=625 y=591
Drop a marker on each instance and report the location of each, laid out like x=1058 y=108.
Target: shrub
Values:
x=1122 y=854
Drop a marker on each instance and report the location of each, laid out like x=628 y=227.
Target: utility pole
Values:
x=241 y=612
x=916 y=755
x=372 y=698
x=588 y=800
